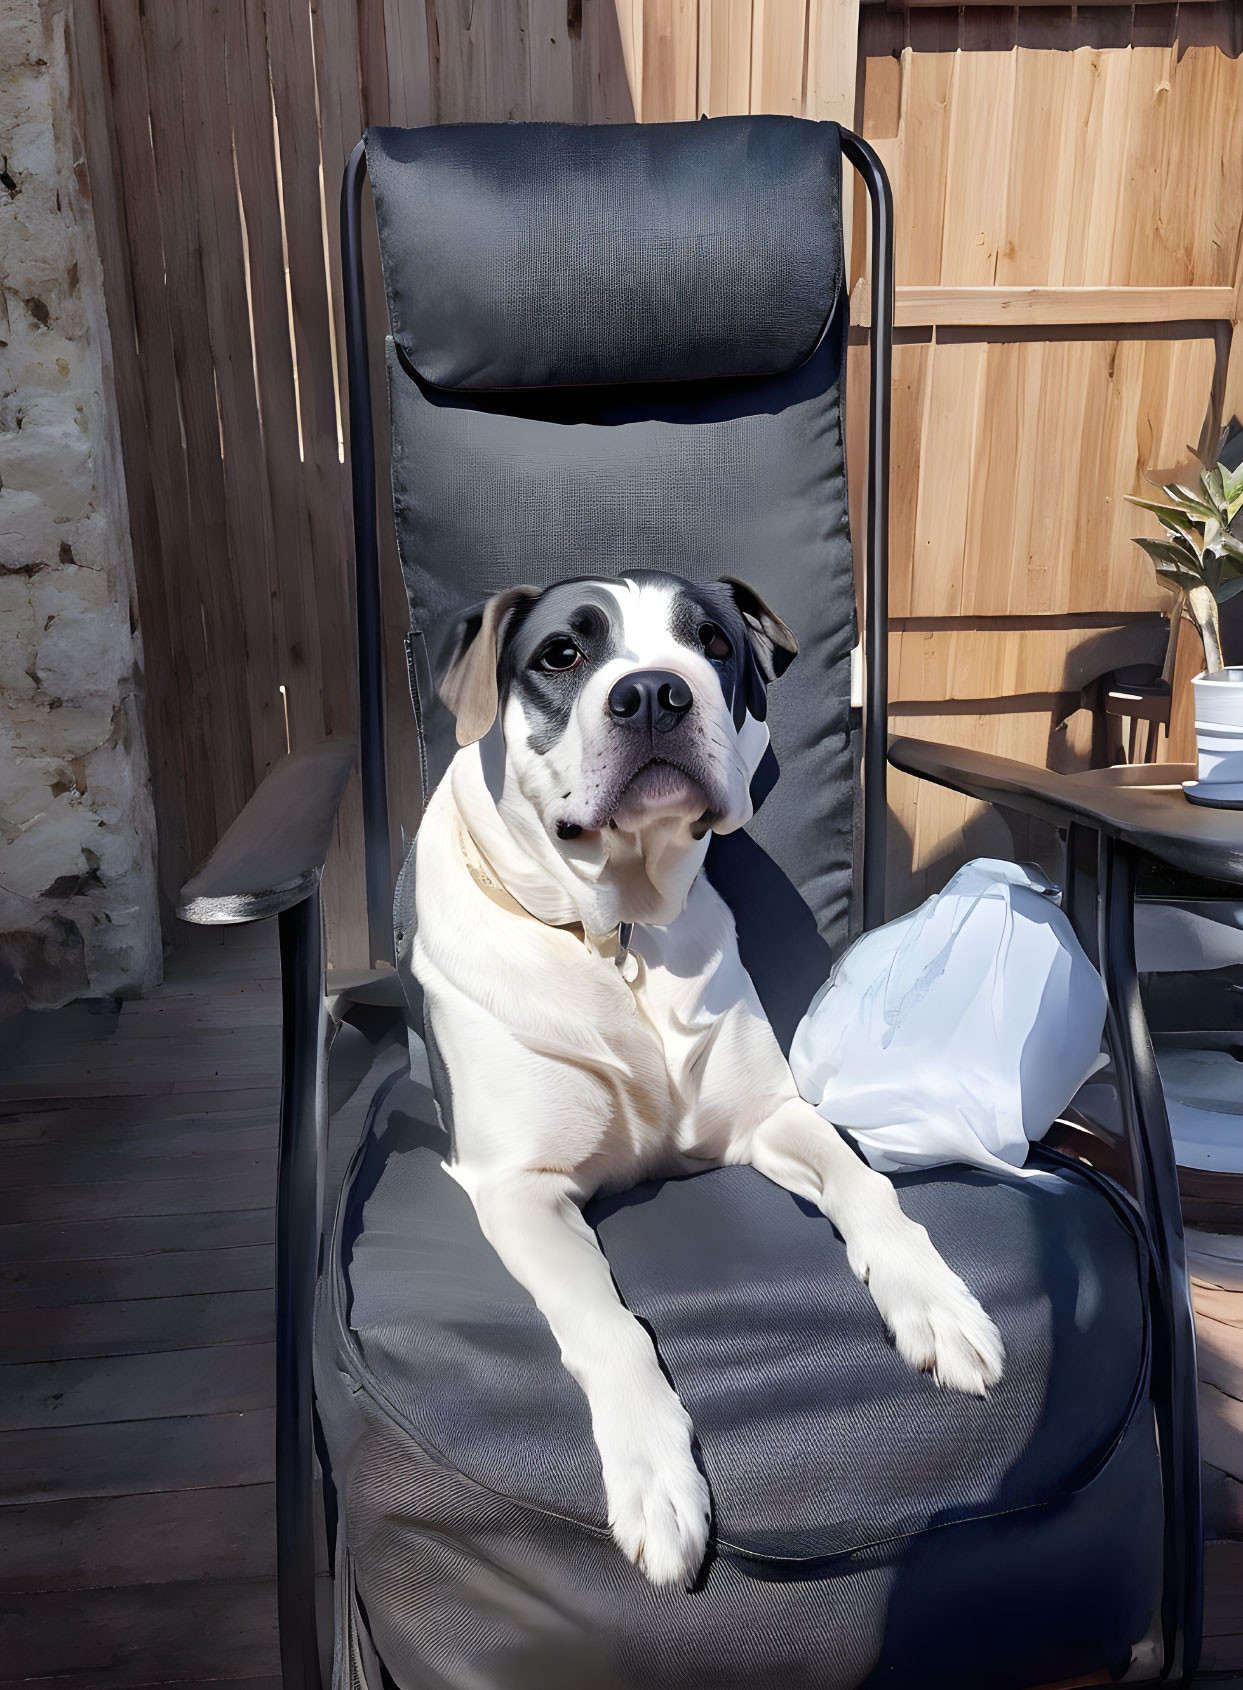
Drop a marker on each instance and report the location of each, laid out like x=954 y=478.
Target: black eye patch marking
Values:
x=706 y=619
x=566 y=635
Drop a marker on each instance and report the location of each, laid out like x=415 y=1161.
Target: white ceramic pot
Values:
x=1219 y=738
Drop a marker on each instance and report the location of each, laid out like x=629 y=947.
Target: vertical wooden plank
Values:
x=977 y=169
x=178 y=731
x=1101 y=123
x=927 y=100
x=832 y=71
x=832 y=60
x=724 y=57
x=247 y=509
x=506 y=62
x=911 y=361
x=629 y=17
x=461 y=79
x=221 y=772
x=611 y=64
x=1142 y=248
x=996 y=470
x=103 y=182
x=313 y=654
x=951 y=430
x=373 y=69
x=670 y=61
x=411 y=72
x=1040 y=90
x=557 y=63
x=778 y=56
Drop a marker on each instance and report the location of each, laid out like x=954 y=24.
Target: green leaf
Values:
x=1170 y=516
x=1214 y=487
x=1172 y=562
x=1234 y=494
x=1175 y=550
x=1228 y=589
x=1190 y=502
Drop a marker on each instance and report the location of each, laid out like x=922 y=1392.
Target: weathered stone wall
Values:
x=78 y=910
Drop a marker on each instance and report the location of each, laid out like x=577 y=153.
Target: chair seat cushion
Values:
x=816 y=1437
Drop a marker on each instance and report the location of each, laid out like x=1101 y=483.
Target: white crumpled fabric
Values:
x=957 y=1033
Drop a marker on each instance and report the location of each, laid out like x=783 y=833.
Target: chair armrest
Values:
x=999 y=780
x=273 y=855
x=1141 y=805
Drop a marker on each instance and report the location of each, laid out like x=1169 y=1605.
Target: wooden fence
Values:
x=1069 y=189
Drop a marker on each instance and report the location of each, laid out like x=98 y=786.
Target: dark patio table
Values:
x=1141 y=806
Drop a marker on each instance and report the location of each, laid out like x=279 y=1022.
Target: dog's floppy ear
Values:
x=466 y=674
x=771 y=647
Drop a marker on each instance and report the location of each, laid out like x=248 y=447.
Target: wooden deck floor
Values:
x=136 y=1385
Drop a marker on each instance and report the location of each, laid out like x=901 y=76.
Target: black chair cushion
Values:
x=505 y=268
x=870 y=1530
x=816 y=1437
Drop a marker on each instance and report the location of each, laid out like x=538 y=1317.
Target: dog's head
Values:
x=622 y=702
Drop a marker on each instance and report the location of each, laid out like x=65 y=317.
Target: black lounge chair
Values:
x=621 y=346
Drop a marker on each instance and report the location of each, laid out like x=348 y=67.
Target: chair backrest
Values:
x=623 y=347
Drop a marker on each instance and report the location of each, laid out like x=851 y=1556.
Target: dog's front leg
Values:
x=936 y=1323
x=658 y=1501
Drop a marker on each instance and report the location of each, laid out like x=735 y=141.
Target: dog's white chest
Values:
x=721 y=1063
x=559 y=1059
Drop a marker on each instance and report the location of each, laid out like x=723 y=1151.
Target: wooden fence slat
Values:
x=555 y=62
x=220 y=773
x=778 y=56
x=247 y=509
x=724 y=57
x=832 y=75
x=611 y=91
x=669 y=45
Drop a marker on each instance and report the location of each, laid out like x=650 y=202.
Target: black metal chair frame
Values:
x=270 y=863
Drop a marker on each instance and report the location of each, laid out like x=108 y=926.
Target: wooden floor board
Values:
x=133 y=1235
x=224 y=1379
x=135 y=1635
x=135 y=1327
x=128 y=1121
x=1219 y=1350
x=247 y=1183
x=162 y=1537
x=1223 y=1608
x=136 y=1320
x=1221 y=1430
x=49 y=1465
x=247 y=1267
x=204 y=1149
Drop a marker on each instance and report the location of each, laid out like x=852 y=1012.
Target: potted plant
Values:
x=1201 y=557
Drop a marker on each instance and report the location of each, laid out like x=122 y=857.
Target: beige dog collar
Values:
x=613 y=946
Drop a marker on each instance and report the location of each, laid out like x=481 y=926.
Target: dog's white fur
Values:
x=569 y=1078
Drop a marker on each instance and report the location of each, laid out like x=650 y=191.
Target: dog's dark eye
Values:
x=559 y=655
x=715 y=645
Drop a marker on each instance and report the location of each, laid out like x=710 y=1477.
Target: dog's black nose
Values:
x=651 y=698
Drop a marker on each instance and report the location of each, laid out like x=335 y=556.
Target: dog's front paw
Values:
x=659 y=1507
x=936 y=1324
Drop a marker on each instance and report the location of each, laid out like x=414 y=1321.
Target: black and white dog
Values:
x=584 y=987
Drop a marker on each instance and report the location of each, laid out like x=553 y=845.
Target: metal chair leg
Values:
x=1174 y=1349
x=298 y=1202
